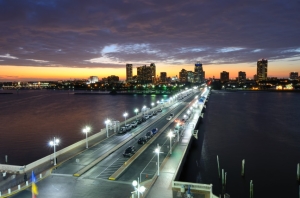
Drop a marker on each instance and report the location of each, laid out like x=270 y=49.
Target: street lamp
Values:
x=139 y=189
x=125 y=115
x=107 y=122
x=171 y=135
x=157 y=151
x=86 y=130
x=136 y=111
x=54 y=143
x=152 y=104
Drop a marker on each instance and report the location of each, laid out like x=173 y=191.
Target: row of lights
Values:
x=87 y=129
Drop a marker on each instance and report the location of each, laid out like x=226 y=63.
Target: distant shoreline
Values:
x=261 y=90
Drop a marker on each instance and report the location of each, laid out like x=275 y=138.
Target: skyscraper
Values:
x=262 y=69
x=183 y=76
x=163 y=77
x=190 y=76
x=128 y=72
x=198 y=73
x=242 y=77
x=224 y=76
x=146 y=74
x=153 y=72
x=294 y=75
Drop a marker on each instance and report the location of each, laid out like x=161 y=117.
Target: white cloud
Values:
x=187 y=49
x=229 y=49
x=109 y=49
x=257 y=50
x=292 y=50
x=38 y=61
x=8 y=56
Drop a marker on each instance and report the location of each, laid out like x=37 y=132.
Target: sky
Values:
x=75 y=39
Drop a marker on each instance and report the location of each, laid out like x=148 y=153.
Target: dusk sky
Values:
x=72 y=39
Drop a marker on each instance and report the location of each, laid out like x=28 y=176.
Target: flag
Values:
x=34 y=188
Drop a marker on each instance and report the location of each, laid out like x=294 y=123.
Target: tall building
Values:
x=190 y=76
x=163 y=77
x=262 y=69
x=183 y=76
x=294 y=75
x=146 y=74
x=128 y=72
x=242 y=77
x=198 y=73
x=224 y=76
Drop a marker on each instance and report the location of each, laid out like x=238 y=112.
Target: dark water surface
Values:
x=261 y=127
x=29 y=119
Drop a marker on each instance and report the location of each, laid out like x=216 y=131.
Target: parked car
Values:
x=142 y=140
x=123 y=130
x=128 y=127
x=154 y=113
x=169 y=118
x=172 y=114
x=146 y=117
x=159 y=110
x=139 y=120
x=154 y=131
x=149 y=135
x=130 y=151
x=134 y=124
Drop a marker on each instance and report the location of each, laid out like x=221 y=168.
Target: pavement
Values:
x=162 y=187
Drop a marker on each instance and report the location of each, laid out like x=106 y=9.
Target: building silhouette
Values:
x=163 y=77
x=190 y=76
x=183 y=77
x=294 y=75
x=262 y=69
x=199 y=74
x=224 y=76
x=242 y=77
x=146 y=74
x=128 y=72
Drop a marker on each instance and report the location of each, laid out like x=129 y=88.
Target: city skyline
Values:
x=54 y=40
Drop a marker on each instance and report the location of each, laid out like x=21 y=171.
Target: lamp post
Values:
x=171 y=135
x=139 y=189
x=125 y=115
x=136 y=111
x=86 y=130
x=107 y=122
x=152 y=104
x=157 y=151
x=54 y=143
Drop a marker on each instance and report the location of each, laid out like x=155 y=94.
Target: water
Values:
x=260 y=127
x=29 y=119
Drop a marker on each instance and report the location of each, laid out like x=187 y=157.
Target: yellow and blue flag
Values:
x=34 y=188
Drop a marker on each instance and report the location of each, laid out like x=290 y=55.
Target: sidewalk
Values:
x=162 y=187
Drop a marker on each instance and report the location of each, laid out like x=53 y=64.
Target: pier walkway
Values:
x=163 y=186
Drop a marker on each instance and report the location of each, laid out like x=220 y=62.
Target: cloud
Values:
x=108 y=34
x=8 y=56
x=38 y=61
